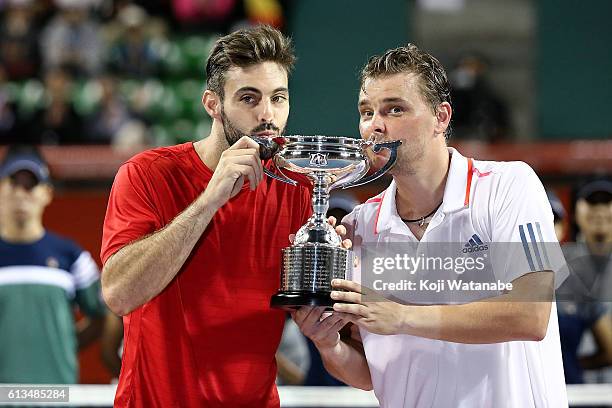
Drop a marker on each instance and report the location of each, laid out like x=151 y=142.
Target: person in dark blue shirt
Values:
x=582 y=303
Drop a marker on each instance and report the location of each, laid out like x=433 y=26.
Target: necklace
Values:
x=424 y=219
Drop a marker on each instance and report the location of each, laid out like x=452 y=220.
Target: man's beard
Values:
x=409 y=157
x=233 y=134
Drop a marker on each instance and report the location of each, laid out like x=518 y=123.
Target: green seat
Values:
x=129 y=90
x=170 y=104
x=173 y=60
x=195 y=50
x=31 y=96
x=86 y=96
x=182 y=130
x=161 y=136
x=189 y=93
x=151 y=97
x=12 y=90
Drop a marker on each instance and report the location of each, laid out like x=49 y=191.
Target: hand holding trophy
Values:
x=317 y=256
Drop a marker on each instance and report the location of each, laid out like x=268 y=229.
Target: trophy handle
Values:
x=277 y=177
x=267 y=149
x=393 y=146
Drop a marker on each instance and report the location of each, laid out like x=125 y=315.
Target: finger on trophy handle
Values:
x=291 y=238
x=347 y=244
x=332 y=221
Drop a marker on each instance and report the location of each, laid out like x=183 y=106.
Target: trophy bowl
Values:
x=316 y=255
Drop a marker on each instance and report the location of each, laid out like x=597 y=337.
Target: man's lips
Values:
x=267 y=133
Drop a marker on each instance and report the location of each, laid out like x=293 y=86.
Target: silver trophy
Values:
x=316 y=256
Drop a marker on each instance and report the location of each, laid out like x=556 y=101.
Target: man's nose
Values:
x=266 y=113
x=378 y=124
x=377 y=127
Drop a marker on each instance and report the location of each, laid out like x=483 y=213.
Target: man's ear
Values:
x=47 y=193
x=582 y=208
x=443 y=117
x=212 y=104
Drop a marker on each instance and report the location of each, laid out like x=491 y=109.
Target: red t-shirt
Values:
x=209 y=338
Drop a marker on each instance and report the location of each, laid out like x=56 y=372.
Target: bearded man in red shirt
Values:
x=192 y=242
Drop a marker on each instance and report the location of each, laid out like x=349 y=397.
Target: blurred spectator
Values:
x=43 y=277
x=208 y=14
x=583 y=301
x=132 y=136
x=265 y=12
x=594 y=216
x=57 y=122
x=19 y=41
x=8 y=113
x=559 y=214
x=112 y=118
x=72 y=39
x=480 y=113
x=133 y=53
x=228 y=15
x=156 y=8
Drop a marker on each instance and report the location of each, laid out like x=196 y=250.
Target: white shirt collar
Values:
x=456 y=194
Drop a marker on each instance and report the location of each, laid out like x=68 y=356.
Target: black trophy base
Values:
x=294 y=300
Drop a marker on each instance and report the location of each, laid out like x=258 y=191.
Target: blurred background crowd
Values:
x=530 y=82
x=111 y=72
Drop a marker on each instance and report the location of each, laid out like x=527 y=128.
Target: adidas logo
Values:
x=475 y=244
